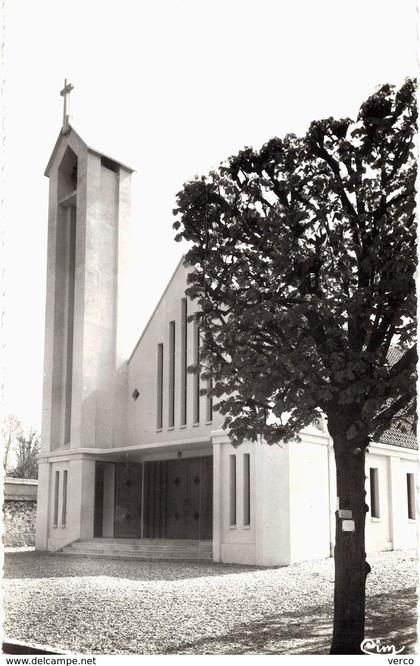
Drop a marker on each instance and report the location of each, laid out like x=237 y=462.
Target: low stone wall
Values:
x=19 y=511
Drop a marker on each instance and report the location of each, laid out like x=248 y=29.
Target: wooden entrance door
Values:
x=206 y=498
x=99 y=500
x=183 y=499
x=179 y=498
x=127 y=515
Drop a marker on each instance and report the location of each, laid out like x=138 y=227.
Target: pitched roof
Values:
x=394 y=435
x=181 y=262
x=91 y=150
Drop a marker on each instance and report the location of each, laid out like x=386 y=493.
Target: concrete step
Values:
x=146 y=542
x=140 y=553
x=185 y=557
x=146 y=553
x=142 y=549
x=164 y=549
x=149 y=553
x=139 y=556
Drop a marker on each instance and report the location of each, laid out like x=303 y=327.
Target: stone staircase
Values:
x=142 y=549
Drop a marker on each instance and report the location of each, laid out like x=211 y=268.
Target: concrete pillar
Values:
x=109 y=496
x=81 y=498
x=122 y=338
x=217 y=501
x=332 y=483
x=396 y=501
x=48 y=395
x=259 y=505
x=42 y=516
x=272 y=505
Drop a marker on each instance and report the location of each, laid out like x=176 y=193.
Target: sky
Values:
x=171 y=88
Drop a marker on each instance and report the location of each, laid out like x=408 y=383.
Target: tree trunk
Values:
x=351 y=568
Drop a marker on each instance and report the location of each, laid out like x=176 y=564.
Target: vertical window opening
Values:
x=374 y=492
x=56 y=496
x=64 y=297
x=71 y=264
x=171 y=388
x=197 y=373
x=411 y=497
x=160 y=385
x=247 y=489
x=209 y=401
x=184 y=360
x=64 y=500
x=232 y=503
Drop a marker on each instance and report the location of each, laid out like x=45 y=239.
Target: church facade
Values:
x=130 y=447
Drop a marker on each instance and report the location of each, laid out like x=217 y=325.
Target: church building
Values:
x=134 y=461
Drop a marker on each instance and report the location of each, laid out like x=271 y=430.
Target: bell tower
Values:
x=86 y=314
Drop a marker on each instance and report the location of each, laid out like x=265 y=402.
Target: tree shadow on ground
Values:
x=390 y=617
x=35 y=564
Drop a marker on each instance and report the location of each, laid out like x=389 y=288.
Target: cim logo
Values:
x=373 y=646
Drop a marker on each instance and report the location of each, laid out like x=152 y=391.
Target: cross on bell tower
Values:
x=66 y=94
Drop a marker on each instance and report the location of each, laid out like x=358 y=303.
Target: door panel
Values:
x=127 y=500
x=99 y=500
x=180 y=507
x=206 y=498
x=192 y=513
x=154 y=514
x=176 y=499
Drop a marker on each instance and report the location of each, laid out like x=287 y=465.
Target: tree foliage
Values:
x=27 y=452
x=302 y=259
x=20 y=450
x=11 y=429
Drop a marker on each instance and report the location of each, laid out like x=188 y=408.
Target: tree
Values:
x=27 y=452
x=302 y=259
x=11 y=429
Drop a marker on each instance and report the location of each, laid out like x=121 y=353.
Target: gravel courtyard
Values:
x=124 y=607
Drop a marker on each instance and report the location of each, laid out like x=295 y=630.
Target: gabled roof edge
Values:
x=57 y=143
x=112 y=159
x=180 y=262
x=89 y=148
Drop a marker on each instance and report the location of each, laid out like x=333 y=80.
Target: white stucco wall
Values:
x=406 y=537
x=272 y=499
x=393 y=529
x=309 y=497
x=266 y=540
x=142 y=375
x=378 y=530
x=238 y=541
x=80 y=503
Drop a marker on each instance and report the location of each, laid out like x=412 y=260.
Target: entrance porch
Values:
x=159 y=499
